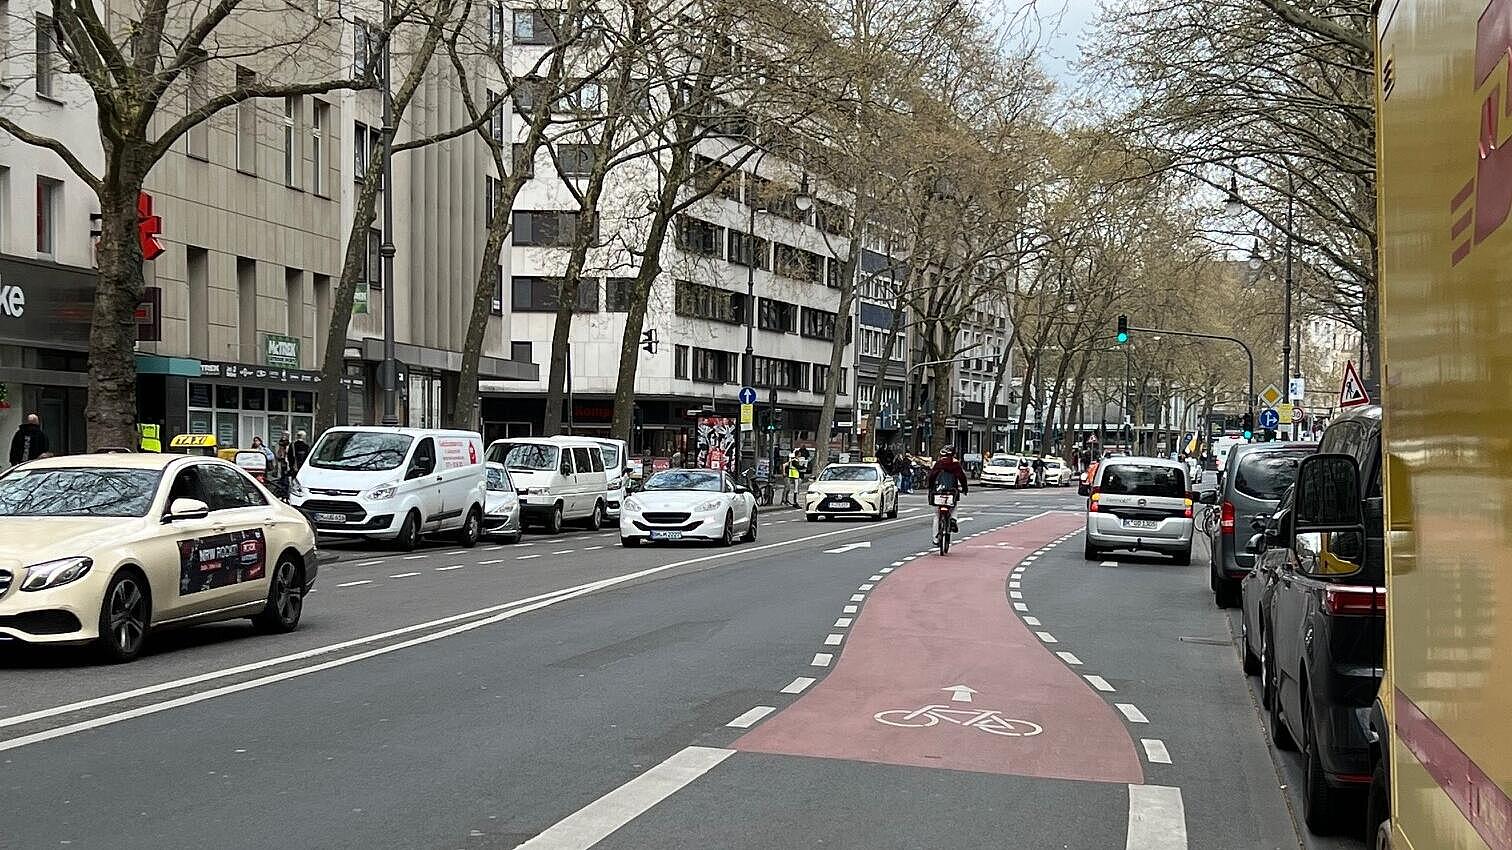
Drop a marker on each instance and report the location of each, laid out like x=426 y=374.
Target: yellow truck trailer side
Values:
x=1444 y=91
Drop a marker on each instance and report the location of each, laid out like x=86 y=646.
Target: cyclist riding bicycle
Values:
x=947 y=476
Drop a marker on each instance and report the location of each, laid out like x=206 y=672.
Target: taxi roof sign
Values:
x=187 y=441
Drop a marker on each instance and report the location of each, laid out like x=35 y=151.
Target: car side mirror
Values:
x=1327 y=495
x=182 y=509
x=1255 y=544
x=741 y=488
x=1082 y=490
x=1260 y=523
x=1207 y=497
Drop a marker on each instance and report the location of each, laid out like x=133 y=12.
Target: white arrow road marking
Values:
x=960 y=693
x=864 y=544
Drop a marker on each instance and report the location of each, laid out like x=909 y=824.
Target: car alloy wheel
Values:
x=750 y=534
x=554 y=525
x=125 y=620
x=285 y=600
x=727 y=538
x=472 y=529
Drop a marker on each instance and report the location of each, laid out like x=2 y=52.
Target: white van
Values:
x=617 y=468
x=394 y=484
x=560 y=479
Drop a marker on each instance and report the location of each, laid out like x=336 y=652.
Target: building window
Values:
x=197 y=272
x=541 y=294
x=831 y=217
x=574 y=160
x=246 y=311
x=497 y=305
x=821 y=374
x=495 y=24
x=46 y=57
x=246 y=124
x=535 y=27
x=680 y=361
x=521 y=351
x=797 y=263
x=548 y=228
x=619 y=294
x=292 y=135
x=699 y=237
x=713 y=366
x=524 y=163
x=779 y=316
x=865 y=395
x=367 y=150
x=196 y=94
x=495 y=117
x=834 y=272
x=710 y=176
x=771 y=372
x=695 y=300
x=319 y=117
x=818 y=324
x=49 y=206
x=490 y=194
x=747 y=250
x=367 y=41
x=373 y=271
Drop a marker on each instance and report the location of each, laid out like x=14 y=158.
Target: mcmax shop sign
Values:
x=51 y=306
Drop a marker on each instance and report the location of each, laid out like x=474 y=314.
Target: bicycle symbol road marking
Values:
x=987 y=720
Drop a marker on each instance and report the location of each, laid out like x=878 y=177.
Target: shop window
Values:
x=200 y=395
x=254 y=398
x=304 y=401
x=227 y=397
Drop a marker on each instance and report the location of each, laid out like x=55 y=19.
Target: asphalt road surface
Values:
x=833 y=684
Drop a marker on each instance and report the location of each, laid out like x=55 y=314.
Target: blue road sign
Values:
x=1269 y=418
x=747 y=395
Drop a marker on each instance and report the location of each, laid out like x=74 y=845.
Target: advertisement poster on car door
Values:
x=457 y=452
x=219 y=560
x=716 y=441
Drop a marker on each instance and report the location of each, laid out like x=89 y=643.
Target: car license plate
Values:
x=666 y=535
x=841 y=503
x=943 y=499
x=1141 y=523
x=330 y=517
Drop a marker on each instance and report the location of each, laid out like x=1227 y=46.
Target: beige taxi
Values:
x=103 y=549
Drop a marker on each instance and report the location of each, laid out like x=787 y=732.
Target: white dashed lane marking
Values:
x=1131 y=712
x=747 y=720
x=822 y=659
x=833 y=640
x=1155 y=750
x=1046 y=637
x=1069 y=658
x=452 y=567
x=355 y=583
x=843 y=623
x=850 y=609
x=526 y=557
x=798 y=685
x=1100 y=683
x=404 y=575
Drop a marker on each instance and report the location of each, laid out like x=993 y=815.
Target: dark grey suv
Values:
x=1256 y=476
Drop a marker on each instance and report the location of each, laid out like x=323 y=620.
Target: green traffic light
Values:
x=1123 y=337
x=1249 y=434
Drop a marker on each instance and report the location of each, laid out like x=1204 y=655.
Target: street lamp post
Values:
x=1233 y=205
x=386 y=250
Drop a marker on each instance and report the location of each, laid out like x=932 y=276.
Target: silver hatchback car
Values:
x=1143 y=504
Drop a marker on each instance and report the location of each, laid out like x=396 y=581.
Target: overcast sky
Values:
x=1066 y=20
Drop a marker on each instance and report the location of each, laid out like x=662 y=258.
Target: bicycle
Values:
x=944 y=502
x=761 y=488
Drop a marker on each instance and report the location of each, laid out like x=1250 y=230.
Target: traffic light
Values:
x=648 y=341
x=1123 y=330
x=778 y=420
x=1247 y=423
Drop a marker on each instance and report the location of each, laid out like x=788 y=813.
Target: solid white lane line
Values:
x=858 y=597
x=415 y=557
x=747 y=720
x=822 y=659
x=1069 y=658
x=371 y=563
x=1100 y=683
x=1019 y=606
x=526 y=557
x=843 y=623
x=1157 y=819
x=849 y=609
x=452 y=567
x=355 y=583
x=1131 y=712
x=1155 y=750
x=1046 y=637
x=798 y=685
x=597 y=820
x=498 y=612
x=404 y=575
x=833 y=640
x=1031 y=621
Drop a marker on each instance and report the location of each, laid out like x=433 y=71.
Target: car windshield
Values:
x=360 y=450
x=1001 y=461
x=683 y=479
x=531 y=456
x=1266 y=475
x=498 y=480
x=78 y=491
x=849 y=473
x=1128 y=479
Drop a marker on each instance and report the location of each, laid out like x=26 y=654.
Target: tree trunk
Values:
x=464 y=411
x=111 y=415
x=997 y=389
x=842 y=327
x=333 y=364
x=1031 y=364
x=869 y=440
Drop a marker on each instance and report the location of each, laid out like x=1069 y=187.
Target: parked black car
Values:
x=1257 y=476
x=1318 y=600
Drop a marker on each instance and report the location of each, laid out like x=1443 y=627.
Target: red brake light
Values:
x=1348 y=599
x=1092 y=500
x=1226 y=523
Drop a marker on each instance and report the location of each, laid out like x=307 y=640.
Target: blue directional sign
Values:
x=1269 y=418
x=747 y=395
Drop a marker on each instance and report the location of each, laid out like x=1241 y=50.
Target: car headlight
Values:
x=867 y=494
x=382 y=492
x=54 y=573
x=710 y=505
x=295 y=488
x=632 y=504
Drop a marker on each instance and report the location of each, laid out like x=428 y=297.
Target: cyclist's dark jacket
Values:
x=949 y=473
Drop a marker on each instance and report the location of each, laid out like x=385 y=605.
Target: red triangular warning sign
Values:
x=1352 y=393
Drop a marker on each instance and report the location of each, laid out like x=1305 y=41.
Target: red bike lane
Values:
x=940 y=622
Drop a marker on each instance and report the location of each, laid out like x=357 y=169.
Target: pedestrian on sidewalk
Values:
x=791 y=475
x=29 y=443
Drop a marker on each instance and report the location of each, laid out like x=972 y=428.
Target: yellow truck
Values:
x=1444 y=716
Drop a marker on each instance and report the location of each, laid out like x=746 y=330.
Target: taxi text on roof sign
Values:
x=192 y=440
